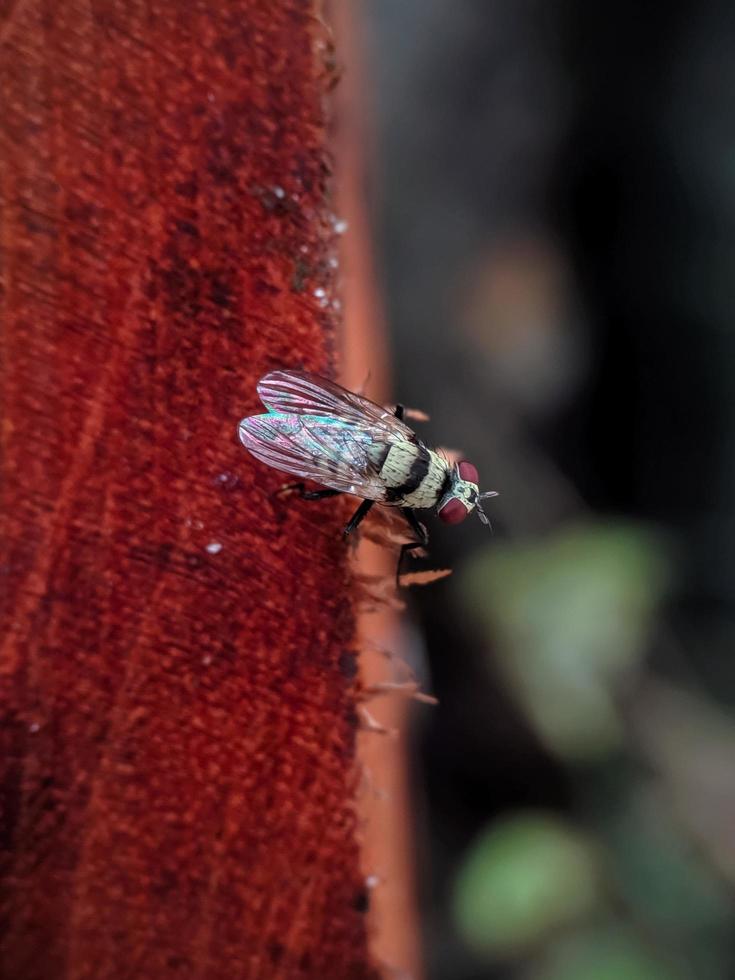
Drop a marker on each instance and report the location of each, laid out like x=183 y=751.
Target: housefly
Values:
x=318 y=430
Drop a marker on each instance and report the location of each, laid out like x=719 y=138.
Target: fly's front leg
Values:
x=423 y=540
x=402 y=413
x=300 y=489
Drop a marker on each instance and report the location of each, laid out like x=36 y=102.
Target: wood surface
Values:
x=177 y=670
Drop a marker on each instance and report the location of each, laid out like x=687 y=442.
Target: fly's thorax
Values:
x=413 y=475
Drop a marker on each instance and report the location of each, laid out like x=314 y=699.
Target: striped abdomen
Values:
x=413 y=475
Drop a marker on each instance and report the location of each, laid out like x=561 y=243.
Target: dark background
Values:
x=553 y=197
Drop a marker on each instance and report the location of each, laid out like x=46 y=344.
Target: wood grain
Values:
x=176 y=677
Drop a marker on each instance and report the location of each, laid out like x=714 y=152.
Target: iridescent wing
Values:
x=301 y=393
x=328 y=451
x=320 y=431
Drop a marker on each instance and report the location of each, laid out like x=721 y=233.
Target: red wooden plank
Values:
x=178 y=739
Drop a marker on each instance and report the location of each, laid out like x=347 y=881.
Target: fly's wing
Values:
x=301 y=393
x=326 y=450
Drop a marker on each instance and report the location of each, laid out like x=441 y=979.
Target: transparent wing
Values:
x=325 y=450
x=301 y=393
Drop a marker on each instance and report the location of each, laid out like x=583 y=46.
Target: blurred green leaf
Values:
x=666 y=884
x=612 y=954
x=523 y=878
x=568 y=616
x=661 y=874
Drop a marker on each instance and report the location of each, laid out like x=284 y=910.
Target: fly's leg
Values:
x=422 y=541
x=358 y=517
x=305 y=494
x=398 y=412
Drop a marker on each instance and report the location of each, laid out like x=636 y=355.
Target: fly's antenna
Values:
x=478 y=506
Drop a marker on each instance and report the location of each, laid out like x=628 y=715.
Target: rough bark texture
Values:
x=177 y=686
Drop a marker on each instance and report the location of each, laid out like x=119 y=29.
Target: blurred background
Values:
x=552 y=193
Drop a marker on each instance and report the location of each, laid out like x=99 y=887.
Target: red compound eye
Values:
x=453 y=511
x=468 y=472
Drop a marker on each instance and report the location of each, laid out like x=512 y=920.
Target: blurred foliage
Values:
x=603 y=954
x=534 y=889
x=525 y=877
x=555 y=238
x=568 y=616
x=660 y=875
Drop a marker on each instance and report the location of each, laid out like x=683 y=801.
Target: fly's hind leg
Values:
x=300 y=489
x=353 y=523
x=358 y=517
x=422 y=541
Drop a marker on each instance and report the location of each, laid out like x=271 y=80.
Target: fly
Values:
x=317 y=430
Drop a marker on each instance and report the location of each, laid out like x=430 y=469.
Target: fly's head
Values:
x=463 y=495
